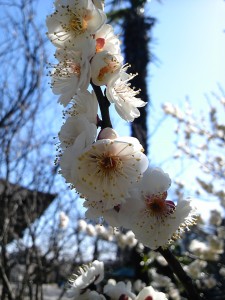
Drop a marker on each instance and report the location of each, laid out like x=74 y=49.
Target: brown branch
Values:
x=177 y=269
x=104 y=106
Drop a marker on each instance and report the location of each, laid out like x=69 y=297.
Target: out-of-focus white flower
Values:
x=70 y=75
x=161 y=260
x=138 y=285
x=103 y=66
x=215 y=244
x=75 y=127
x=106 y=40
x=116 y=290
x=130 y=239
x=172 y=110
x=206 y=251
x=82 y=225
x=63 y=220
x=123 y=96
x=174 y=293
x=126 y=240
x=90 y=230
x=149 y=293
x=84 y=104
x=159 y=280
x=96 y=209
x=87 y=275
x=154 y=220
x=100 y=230
x=106 y=170
x=159 y=231
x=222 y=271
x=210 y=282
x=73 y=22
x=198 y=247
x=215 y=218
x=195 y=268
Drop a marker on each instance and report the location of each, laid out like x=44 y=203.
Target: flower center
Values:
x=100 y=42
x=75 y=68
x=112 y=65
x=157 y=205
x=109 y=163
x=78 y=23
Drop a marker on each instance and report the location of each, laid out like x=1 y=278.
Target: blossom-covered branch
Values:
x=110 y=172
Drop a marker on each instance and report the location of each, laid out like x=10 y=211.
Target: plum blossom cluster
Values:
x=81 y=286
x=109 y=233
x=208 y=129
x=110 y=172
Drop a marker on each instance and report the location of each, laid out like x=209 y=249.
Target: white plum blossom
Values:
x=103 y=66
x=97 y=209
x=160 y=228
x=73 y=22
x=123 y=96
x=154 y=220
x=70 y=75
x=126 y=240
x=148 y=293
x=85 y=104
x=67 y=157
x=87 y=275
x=75 y=128
x=107 y=169
x=110 y=172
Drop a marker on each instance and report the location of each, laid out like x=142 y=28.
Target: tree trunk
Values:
x=136 y=40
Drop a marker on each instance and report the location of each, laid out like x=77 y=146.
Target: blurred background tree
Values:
x=136 y=28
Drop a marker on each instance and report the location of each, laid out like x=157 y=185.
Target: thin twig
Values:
x=104 y=106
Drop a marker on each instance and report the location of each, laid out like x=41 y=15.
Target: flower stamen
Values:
x=109 y=163
x=157 y=205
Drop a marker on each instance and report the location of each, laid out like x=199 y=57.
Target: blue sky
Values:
x=189 y=43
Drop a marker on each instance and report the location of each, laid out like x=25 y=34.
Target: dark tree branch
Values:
x=177 y=269
x=104 y=106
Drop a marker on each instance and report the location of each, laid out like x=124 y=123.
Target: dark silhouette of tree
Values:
x=136 y=34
